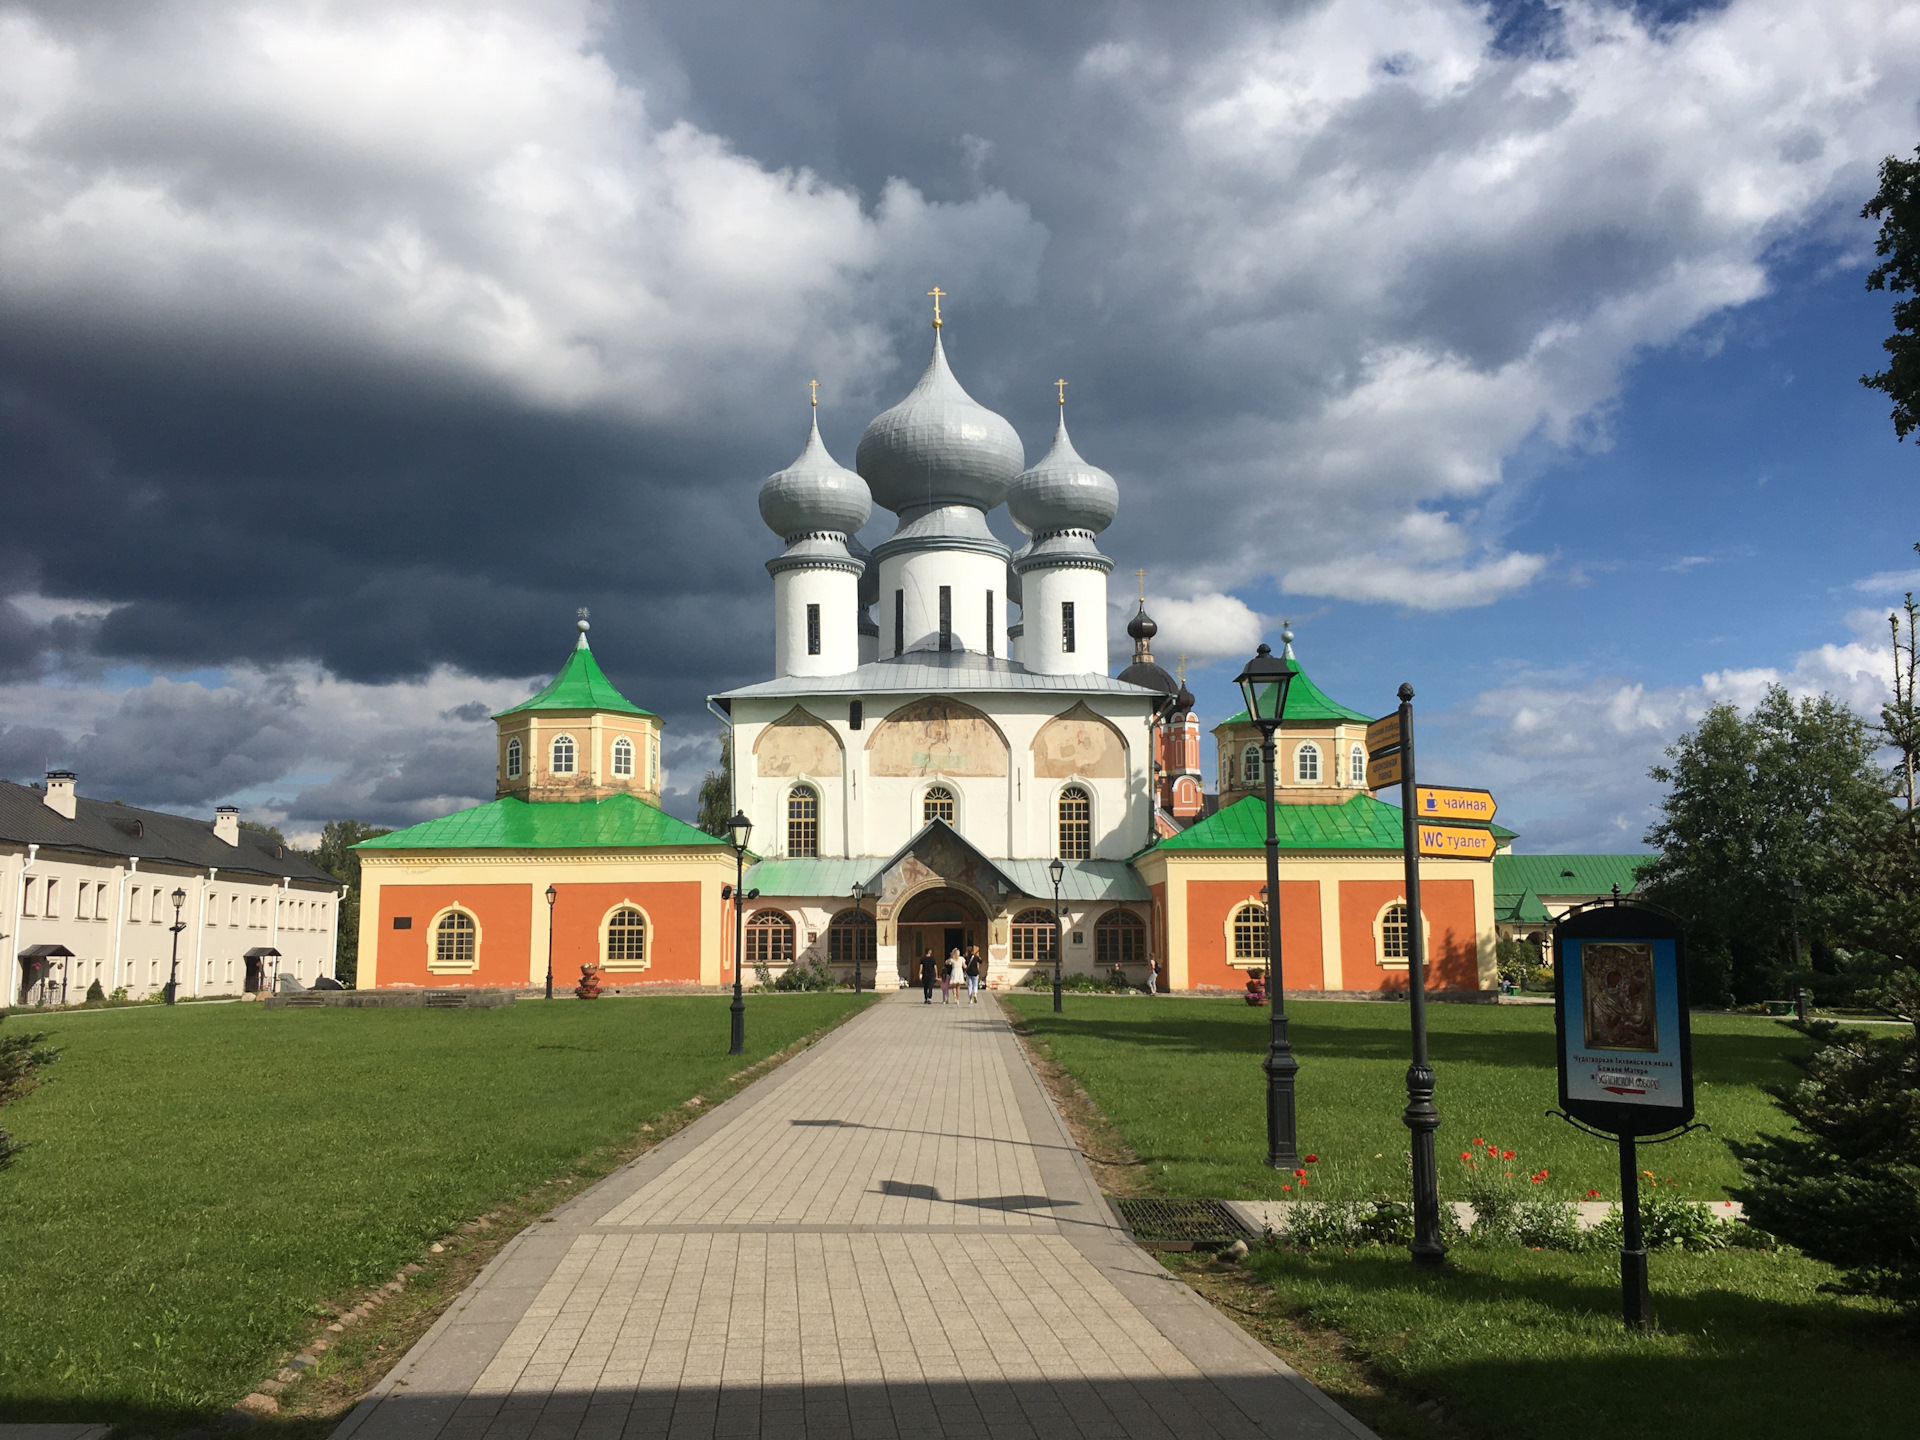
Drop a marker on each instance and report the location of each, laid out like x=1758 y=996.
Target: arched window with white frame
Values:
x=1395 y=936
x=1076 y=824
x=1035 y=938
x=1306 y=763
x=803 y=822
x=563 y=755
x=513 y=758
x=623 y=757
x=937 y=804
x=1119 y=938
x=624 y=946
x=456 y=942
x=1357 y=765
x=769 y=938
x=1247 y=932
x=1250 y=772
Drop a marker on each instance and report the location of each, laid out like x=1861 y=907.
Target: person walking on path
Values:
x=946 y=976
x=973 y=968
x=926 y=976
x=1153 y=978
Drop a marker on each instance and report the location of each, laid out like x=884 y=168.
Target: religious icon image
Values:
x=1617 y=981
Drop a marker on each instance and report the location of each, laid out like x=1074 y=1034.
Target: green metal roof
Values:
x=1360 y=823
x=1306 y=703
x=811 y=877
x=1546 y=874
x=620 y=822
x=580 y=685
x=1521 y=909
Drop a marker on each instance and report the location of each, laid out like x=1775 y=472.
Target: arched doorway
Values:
x=938 y=920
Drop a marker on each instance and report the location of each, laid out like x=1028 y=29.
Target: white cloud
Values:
x=469 y=187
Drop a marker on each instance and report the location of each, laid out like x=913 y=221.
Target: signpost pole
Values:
x=1636 y=1298
x=1421 y=1118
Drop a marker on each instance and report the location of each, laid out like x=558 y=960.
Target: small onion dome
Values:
x=939 y=447
x=814 y=493
x=1063 y=492
x=1183 y=702
x=1141 y=626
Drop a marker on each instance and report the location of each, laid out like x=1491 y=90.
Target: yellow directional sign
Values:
x=1456 y=842
x=1444 y=802
x=1384 y=770
x=1384 y=733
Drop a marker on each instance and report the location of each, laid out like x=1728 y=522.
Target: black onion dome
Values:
x=1149 y=674
x=1141 y=626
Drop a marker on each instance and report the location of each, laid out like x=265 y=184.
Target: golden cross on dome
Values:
x=936 y=292
x=1141 y=575
x=814 y=386
x=1061 y=386
x=582 y=612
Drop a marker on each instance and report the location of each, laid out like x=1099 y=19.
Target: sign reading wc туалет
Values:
x=1626 y=1049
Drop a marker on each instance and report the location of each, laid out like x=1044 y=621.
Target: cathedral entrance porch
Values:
x=937 y=921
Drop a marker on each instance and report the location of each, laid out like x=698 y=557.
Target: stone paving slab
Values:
x=891 y=1235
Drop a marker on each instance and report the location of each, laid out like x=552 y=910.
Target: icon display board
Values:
x=1456 y=842
x=1620 y=1015
x=1444 y=802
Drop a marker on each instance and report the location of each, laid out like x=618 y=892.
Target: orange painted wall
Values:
x=504 y=913
x=1209 y=902
x=673 y=949
x=1452 y=956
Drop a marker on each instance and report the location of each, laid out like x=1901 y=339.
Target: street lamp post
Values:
x=1054 y=872
x=739 y=828
x=859 y=931
x=1263 y=684
x=553 y=894
x=173 y=973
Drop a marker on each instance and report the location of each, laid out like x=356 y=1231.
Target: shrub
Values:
x=1540 y=978
x=1667 y=1222
x=1516 y=958
x=1845 y=1187
x=809 y=975
x=96 y=994
x=1041 y=978
x=22 y=1057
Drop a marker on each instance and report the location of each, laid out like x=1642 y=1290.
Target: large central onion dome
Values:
x=1063 y=492
x=939 y=446
x=814 y=493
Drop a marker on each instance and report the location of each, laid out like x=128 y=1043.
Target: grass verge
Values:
x=207 y=1190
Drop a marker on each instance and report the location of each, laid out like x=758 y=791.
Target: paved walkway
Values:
x=893 y=1234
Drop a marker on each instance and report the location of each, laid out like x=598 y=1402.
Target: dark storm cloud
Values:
x=383 y=369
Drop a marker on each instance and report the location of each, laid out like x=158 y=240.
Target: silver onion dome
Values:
x=814 y=493
x=939 y=446
x=1063 y=492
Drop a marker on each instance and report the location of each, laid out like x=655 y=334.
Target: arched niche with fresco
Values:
x=937 y=736
x=1079 y=743
x=797 y=744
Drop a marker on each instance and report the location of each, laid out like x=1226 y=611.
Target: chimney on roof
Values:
x=60 y=796
x=226 y=824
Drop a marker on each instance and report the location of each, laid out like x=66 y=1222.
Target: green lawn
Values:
x=1181 y=1079
x=1514 y=1343
x=201 y=1179
x=1523 y=1344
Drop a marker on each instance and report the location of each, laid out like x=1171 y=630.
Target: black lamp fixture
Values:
x=860 y=931
x=1264 y=683
x=738 y=829
x=173 y=973
x=553 y=894
x=1056 y=870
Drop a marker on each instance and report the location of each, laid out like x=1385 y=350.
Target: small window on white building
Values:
x=623 y=756
x=1306 y=762
x=563 y=754
x=937 y=804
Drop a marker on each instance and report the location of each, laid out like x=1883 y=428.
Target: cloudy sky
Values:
x=1507 y=348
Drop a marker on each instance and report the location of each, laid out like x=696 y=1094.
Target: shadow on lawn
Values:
x=1718 y=1059
x=1724 y=1363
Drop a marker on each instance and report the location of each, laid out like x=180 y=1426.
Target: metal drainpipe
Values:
x=200 y=939
x=20 y=908
x=120 y=916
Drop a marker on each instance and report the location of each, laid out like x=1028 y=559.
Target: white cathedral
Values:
x=911 y=779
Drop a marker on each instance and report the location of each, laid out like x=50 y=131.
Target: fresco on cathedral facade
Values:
x=797 y=744
x=1079 y=743
x=936 y=736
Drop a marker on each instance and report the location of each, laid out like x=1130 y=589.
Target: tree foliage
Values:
x=1759 y=813
x=22 y=1057
x=716 y=792
x=335 y=855
x=1845 y=1188
x=1897 y=208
